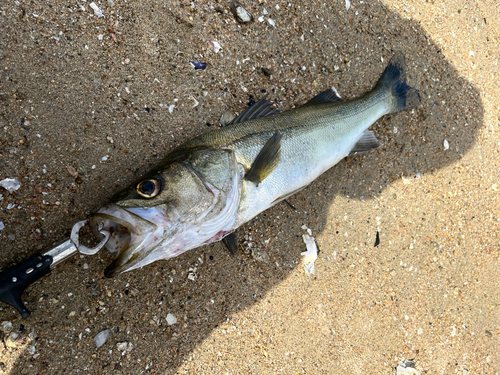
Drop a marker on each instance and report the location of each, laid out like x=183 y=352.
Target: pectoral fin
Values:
x=266 y=161
x=231 y=242
x=365 y=143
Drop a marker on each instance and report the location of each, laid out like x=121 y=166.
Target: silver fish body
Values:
x=214 y=183
x=316 y=137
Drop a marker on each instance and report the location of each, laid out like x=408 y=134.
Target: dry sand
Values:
x=75 y=89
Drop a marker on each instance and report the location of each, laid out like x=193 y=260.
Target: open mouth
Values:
x=131 y=230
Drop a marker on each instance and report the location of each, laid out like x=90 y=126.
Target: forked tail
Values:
x=394 y=79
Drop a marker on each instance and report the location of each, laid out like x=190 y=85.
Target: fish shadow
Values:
x=205 y=288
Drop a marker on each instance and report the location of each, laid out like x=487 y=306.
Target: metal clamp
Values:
x=14 y=280
x=82 y=248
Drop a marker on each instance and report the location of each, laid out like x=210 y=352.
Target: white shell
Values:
x=102 y=337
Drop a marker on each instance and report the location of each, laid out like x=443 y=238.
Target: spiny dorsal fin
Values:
x=260 y=109
x=231 y=242
x=365 y=143
x=327 y=96
x=266 y=161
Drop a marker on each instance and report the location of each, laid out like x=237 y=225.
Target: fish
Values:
x=206 y=188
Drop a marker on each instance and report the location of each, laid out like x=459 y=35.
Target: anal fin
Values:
x=288 y=195
x=266 y=161
x=365 y=143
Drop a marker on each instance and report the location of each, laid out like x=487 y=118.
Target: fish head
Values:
x=188 y=200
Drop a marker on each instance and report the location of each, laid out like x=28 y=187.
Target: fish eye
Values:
x=148 y=188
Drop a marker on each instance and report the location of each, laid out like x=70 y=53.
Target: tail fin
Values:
x=394 y=79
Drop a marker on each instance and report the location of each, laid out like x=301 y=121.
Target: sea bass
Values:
x=212 y=184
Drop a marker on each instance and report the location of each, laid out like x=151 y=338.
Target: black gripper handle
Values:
x=14 y=280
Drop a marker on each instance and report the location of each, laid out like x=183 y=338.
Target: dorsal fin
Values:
x=260 y=109
x=327 y=96
x=266 y=161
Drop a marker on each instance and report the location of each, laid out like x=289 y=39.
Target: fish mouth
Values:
x=134 y=232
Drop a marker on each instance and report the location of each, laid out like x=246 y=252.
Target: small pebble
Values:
x=267 y=72
x=241 y=14
x=171 y=319
x=260 y=255
x=406 y=368
x=124 y=346
x=97 y=11
x=215 y=44
x=6 y=326
x=11 y=340
x=11 y=237
x=226 y=117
